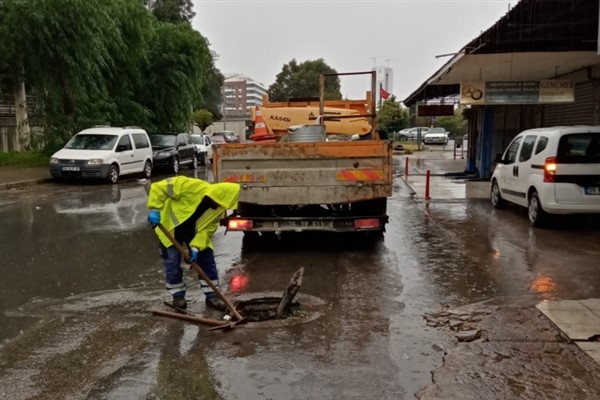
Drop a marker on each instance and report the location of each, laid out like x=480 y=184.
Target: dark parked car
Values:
x=172 y=150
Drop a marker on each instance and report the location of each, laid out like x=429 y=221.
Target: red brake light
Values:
x=549 y=169
x=367 y=223
x=239 y=225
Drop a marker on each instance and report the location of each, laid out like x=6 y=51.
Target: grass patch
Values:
x=23 y=159
x=409 y=146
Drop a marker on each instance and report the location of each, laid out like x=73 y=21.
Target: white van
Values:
x=204 y=148
x=550 y=171
x=104 y=152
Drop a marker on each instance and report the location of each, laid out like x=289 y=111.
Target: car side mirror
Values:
x=498 y=159
x=121 y=147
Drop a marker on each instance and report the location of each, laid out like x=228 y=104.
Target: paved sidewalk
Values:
x=579 y=320
x=446 y=179
x=11 y=177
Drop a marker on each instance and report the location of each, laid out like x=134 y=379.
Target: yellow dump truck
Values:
x=324 y=185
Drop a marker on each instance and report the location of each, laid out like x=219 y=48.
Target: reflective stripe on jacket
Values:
x=226 y=196
x=178 y=197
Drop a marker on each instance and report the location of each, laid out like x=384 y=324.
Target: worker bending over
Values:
x=191 y=210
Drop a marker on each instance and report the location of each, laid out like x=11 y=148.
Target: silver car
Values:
x=412 y=133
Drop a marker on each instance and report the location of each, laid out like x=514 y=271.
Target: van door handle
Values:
x=516 y=170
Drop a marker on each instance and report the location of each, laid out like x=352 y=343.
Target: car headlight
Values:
x=95 y=161
x=53 y=160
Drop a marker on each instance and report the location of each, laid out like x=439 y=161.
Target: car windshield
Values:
x=579 y=148
x=197 y=139
x=436 y=130
x=218 y=139
x=92 y=142
x=163 y=140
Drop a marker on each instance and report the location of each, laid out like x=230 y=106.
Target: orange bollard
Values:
x=427 y=177
x=406 y=167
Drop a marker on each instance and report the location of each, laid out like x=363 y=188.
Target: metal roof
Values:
x=536 y=39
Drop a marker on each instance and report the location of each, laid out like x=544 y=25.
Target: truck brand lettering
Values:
x=280 y=118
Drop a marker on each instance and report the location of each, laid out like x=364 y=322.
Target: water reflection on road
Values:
x=83 y=264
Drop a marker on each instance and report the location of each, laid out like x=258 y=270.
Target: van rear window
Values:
x=579 y=148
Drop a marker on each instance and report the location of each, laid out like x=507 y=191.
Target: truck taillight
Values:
x=239 y=225
x=549 y=169
x=366 y=223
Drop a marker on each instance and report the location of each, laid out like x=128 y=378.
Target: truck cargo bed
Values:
x=307 y=173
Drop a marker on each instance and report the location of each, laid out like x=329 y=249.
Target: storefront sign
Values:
x=432 y=110
x=517 y=92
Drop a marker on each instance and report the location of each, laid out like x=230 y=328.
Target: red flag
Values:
x=384 y=95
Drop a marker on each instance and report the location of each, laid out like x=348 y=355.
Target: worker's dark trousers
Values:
x=174 y=273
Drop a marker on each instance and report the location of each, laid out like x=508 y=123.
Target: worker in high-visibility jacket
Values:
x=191 y=210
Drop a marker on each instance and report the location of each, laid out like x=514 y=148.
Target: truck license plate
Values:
x=592 y=190
x=70 y=168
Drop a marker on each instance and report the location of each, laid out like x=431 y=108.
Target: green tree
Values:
x=392 y=117
x=456 y=124
x=172 y=11
x=105 y=61
x=212 y=96
x=64 y=50
x=178 y=59
x=302 y=81
x=203 y=119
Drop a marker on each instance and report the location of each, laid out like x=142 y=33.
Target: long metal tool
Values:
x=201 y=273
x=192 y=318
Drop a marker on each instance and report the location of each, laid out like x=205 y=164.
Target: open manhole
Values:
x=266 y=308
x=270 y=308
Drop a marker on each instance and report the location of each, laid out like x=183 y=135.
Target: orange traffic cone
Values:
x=261 y=133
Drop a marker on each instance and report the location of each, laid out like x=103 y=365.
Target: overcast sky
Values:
x=257 y=38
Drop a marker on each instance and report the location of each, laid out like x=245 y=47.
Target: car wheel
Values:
x=202 y=159
x=175 y=165
x=537 y=216
x=194 y=164
x=113 y=174
x=496 y=196
x=147 y=169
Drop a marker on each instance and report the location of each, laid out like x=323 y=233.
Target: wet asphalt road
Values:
x=81 y=272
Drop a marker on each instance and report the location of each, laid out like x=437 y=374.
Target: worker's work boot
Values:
x=180 y=302
x=215 y=303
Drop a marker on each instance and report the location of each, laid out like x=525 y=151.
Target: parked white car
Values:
x=204 y=148
x=550 y=171
x=105 y=153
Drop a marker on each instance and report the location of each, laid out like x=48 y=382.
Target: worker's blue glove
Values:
x=154 y=217
x=193 y=256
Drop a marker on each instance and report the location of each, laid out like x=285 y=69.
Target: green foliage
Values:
x=173 y=11
x=302 y=81
x=203 y=118
x=107 y=62
x=456 y=124
x=175 y=78
x=23 y=160
x=391 y=116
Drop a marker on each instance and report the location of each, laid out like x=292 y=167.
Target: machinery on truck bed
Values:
x=339 y=186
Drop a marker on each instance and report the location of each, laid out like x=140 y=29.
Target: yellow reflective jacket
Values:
x=178 y=197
